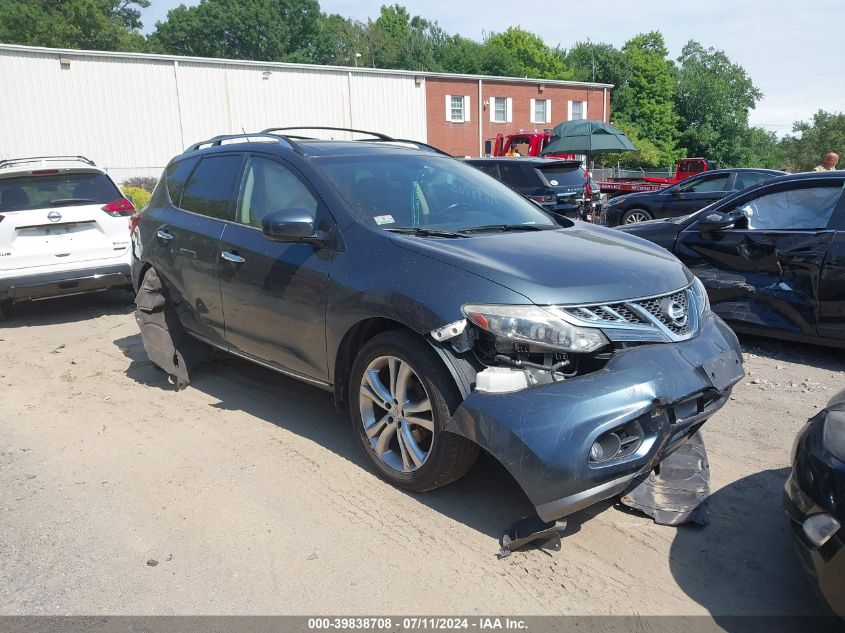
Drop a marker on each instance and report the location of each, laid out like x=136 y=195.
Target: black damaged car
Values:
x=772 y=257
x=685 y=197
x=815 y=501
x=445 y=311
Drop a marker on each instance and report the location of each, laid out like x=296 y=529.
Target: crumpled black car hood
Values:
x=581 y=264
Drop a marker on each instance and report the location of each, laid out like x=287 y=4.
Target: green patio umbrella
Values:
x=587 y=137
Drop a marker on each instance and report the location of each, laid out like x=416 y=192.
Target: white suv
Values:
x=64 y=229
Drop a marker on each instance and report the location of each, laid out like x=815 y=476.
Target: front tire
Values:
x=401 y=398
x=635 y=216
x=5 y=309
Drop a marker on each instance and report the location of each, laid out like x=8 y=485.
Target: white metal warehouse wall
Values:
x=131 y=113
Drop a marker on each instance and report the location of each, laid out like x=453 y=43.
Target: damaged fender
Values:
x=162 y=334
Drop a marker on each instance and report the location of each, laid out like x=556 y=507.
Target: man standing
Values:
x=828 y=162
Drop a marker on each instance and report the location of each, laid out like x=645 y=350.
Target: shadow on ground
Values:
x=743 y=562
x=61 y=310
x=486 y=499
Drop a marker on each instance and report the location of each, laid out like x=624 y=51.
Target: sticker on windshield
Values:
x=553 y=183
x=383 y=219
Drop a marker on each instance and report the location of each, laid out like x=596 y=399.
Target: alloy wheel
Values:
x=396 y=413
x=637 y=216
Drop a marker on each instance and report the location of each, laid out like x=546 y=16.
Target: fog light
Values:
x=605 y=448
x=819 y=528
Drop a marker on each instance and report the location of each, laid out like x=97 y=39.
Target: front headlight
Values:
x=613 y=201
x=532 y=324
x=834 y=434
x=701 y=298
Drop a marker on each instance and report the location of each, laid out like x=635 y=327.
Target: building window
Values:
x=541 y=110
x=457 y=108
x=501 y=109
x=577 y=110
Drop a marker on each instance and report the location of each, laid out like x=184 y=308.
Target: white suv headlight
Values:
x=701 y=298
x=533 y=324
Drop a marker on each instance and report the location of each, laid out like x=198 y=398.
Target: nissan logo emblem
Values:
x=54 y=216
x=676 y=313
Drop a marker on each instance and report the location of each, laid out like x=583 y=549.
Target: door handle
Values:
x=233 y=257
x=164 y=234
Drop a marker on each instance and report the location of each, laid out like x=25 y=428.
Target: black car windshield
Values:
x=563 y=176
x=430 y=192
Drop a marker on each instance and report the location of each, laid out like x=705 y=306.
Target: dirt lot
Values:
x=250 y=493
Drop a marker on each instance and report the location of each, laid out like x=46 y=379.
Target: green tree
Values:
x=85 y=24
x=646 y=101
x=398 y=40
x=458 y=54
x=811 y=140
x=518 y=53
x=713 y=98
x=761 y=148
x=342 y=42
x=647 y=154
x=271 y=30
x=598 y=62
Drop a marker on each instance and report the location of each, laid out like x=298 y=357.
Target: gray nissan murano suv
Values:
x=445 y=311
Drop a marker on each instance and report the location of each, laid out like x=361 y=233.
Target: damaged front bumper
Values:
x=543 y=434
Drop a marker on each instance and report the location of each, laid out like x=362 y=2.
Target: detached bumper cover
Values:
x=543 y=434
x=55 y=284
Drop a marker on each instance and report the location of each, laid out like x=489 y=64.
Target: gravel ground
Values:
x=246 y=494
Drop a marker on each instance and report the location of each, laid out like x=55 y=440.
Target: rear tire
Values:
x=401 y=397
x=635 y=216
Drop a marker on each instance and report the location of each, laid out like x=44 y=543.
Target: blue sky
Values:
x=792 y=50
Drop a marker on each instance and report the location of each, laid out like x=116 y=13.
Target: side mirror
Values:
x=291 y=225
x=714 y=222
x=488 y=147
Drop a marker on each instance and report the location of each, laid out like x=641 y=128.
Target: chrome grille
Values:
x=669 y=317
x=657 y=307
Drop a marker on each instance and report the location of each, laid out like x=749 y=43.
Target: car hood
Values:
x=662 y=232
x=581 y=264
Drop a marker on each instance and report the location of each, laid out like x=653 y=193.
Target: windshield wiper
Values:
x=422 y=232
x=66 y=201
x=488 y=228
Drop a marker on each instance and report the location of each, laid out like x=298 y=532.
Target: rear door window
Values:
x=707 y=185
x=56 y=190
x=744 y=180
x=488 y=168
x=515 y=175
x=177 y=175
x=210 y=188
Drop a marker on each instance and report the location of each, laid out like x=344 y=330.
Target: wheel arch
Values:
x=354 y=339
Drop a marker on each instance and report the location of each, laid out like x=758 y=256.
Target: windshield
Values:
x=563 y=176
x=428 y=192
x=54 y=190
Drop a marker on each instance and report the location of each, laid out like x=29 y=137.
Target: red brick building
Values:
x=464 y=111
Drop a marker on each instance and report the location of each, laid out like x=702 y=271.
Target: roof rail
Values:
x=423 y=146
x=378 y=135
x=41 y=159
x=218 y=140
